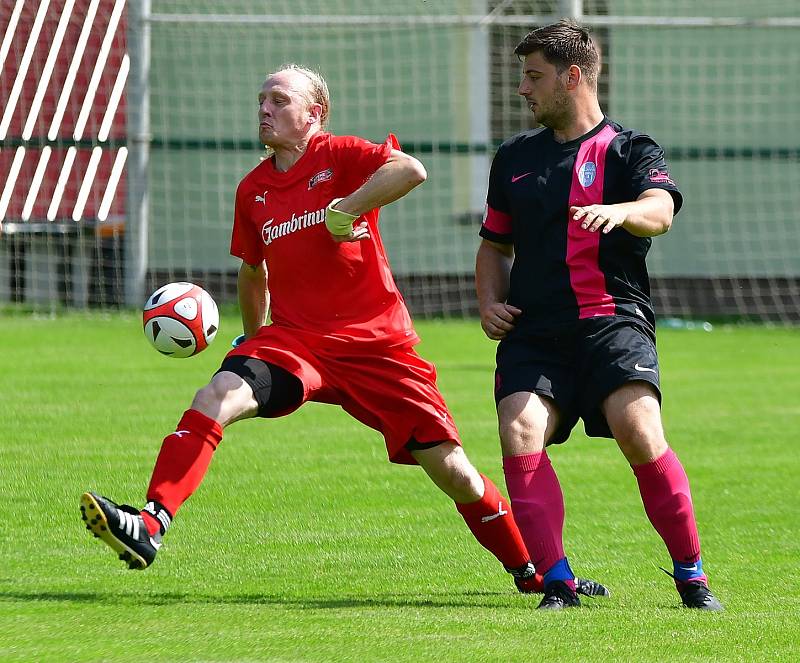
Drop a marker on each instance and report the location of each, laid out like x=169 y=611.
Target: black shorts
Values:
x=579 y=368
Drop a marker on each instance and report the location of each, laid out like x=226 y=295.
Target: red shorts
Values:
x=392 y=390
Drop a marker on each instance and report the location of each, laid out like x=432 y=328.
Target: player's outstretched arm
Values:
x=253 y=297
x=393 y=180
x=492 y=277
x=649 y=215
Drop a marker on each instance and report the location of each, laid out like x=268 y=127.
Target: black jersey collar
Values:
x=577 y=141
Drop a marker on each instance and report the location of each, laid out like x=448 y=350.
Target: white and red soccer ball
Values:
x=180 y=319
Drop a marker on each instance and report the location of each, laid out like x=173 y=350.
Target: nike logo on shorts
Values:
x=516 y=178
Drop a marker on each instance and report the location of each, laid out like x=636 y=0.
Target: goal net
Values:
x=131 y=183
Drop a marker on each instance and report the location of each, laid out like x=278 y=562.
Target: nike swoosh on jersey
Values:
x=644 y=369
x=516 y=178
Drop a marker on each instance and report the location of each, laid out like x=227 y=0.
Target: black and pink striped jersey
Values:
x=562 y=272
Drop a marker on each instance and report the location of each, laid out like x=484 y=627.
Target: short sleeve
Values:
x=357 y=158
x=647 y=169
x=497 y=225
x=245 y=243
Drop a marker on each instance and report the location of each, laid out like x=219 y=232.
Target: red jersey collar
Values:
x=302 y=167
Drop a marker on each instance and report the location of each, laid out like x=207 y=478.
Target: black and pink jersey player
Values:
x=586 y=325
x=563 y=272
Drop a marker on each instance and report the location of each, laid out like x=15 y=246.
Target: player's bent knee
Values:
x=521 y=436
x=450 y=469
x=640 y=445
x=458 y=465
x=220 y=388
x=465 y=480
x=226 y=398
x=463 y=484
x=523 y=423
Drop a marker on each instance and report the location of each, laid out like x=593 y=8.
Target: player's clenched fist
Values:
x=341 y=224
x=497 y=319
x=360 y=231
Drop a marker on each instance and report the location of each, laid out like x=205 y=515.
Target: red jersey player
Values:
x=306 y=229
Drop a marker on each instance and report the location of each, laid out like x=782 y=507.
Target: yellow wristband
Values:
x=338 y=222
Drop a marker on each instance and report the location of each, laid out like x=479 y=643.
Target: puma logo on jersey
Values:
x=262 y=198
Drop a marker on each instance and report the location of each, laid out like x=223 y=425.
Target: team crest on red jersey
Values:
x=322 y=176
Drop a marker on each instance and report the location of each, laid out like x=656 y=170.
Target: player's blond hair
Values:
x=317 y=88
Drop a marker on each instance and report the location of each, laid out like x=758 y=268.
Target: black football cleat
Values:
x=122 y=528
x=590 y=588
x=557 y=596
x=698 y=596
x=526 y=579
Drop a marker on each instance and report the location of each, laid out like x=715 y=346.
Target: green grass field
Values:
x=305 y=544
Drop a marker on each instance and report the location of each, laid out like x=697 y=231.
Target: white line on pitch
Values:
x=38 y=176
x=100 y=64
x=22 y=72
x=47 y=71
x=73 y=70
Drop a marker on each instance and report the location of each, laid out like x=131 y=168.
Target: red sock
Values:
x=534 y=584
x=538 y=506
x=182 y=463
x=667 y=501
x=491 y=522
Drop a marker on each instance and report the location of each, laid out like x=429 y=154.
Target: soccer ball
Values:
x=180 y=319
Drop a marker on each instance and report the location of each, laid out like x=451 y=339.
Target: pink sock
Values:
x=538 y=506
x=664 y=487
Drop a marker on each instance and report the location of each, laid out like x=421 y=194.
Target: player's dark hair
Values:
x=563 y=44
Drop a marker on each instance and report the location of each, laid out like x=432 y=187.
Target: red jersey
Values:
x=343 y=291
